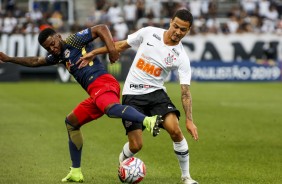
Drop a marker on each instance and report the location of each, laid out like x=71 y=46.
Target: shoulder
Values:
x=152 y=29
x=180 y=50
x=78 y=37
x=152 y=32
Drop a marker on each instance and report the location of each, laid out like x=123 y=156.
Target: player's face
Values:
x=178 y=29
x=53 y=44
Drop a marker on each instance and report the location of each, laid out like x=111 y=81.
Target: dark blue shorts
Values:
x=155 y=103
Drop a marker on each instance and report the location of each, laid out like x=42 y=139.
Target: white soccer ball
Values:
x=131 y=170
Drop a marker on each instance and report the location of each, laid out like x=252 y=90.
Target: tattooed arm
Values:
x=186 y=99
x=25 y=61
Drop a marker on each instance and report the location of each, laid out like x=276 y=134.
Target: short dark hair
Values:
x=44 y=34
x=185 y=15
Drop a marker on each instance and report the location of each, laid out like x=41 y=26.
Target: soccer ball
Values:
x=132 y=170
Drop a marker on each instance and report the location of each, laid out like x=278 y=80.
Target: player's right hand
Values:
x=192 y=129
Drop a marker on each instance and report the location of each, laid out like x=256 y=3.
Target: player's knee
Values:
x=71 y=124
x=75 y=134
x=176 y=134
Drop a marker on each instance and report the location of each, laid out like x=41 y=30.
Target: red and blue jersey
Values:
x=76 y=45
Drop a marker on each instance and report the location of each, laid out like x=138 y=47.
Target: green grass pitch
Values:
x=239 y=124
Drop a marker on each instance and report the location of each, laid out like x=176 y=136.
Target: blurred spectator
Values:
x=270 y=19
x=10 y=5
x=233 y=24
x=114 y=12
x=130 y=11
x=212 y=8
x=249 y=6
x=256 y=16
x=195 y=8
x=212 y=25
x=35 y=15
x=9 y=23
x=263 y=7
x=121 y=29
x=44 y=24
x=30 y=27
x=205 y=8
x=154 y=7
x=140 y=5
x=100 y=4
x=56 y=20
x=279 y=27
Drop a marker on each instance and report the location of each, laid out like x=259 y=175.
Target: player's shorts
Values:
x=155 y=103
x=103 y=91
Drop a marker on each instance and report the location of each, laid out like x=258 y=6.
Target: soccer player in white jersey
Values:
x=158 y=52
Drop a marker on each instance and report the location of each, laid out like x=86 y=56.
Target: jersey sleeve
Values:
x=184 y=71
x=51 y=60
x=80 y=39
x=135 y=39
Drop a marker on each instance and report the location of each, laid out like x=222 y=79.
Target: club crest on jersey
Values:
x=69 y=65
x=169 y=60
x=67 y=53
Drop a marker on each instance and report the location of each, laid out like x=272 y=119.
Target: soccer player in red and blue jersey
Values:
x=103 y=88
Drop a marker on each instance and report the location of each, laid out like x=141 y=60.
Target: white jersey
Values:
x=153 y=62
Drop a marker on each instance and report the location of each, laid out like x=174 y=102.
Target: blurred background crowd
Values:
x=126 y=16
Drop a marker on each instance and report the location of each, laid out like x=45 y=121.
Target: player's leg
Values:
x=180 y=146
x=133 y=146
x=163 y=105
x=83 y=113
x=128 y=113
x=107 y=98
x=133 y=130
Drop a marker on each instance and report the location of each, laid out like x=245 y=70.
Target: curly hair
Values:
x=43 y=35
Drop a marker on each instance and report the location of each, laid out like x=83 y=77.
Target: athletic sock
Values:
x=182 y=154
x=125 y=153
x=125 y=112
x=75 y=155
x=75 y=144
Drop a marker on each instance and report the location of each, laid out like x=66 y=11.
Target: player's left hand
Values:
x=192 y=129
x=114 y=56
x=84 y=60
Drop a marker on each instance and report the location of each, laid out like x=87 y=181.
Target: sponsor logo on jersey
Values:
x=148 y=68
x=140 y=86
x=69 y=65
x=169 y=59
x=175 y=51
x=67 y=53
x=83 y=32
x=156 y=36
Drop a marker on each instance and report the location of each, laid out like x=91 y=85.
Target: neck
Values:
x=169 y=41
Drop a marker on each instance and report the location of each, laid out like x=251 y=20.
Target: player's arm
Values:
x=105 y=35
x=25 y=61
x=186 y=99
x=119 y=45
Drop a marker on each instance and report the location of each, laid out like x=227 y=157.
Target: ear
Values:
x=59 y=36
